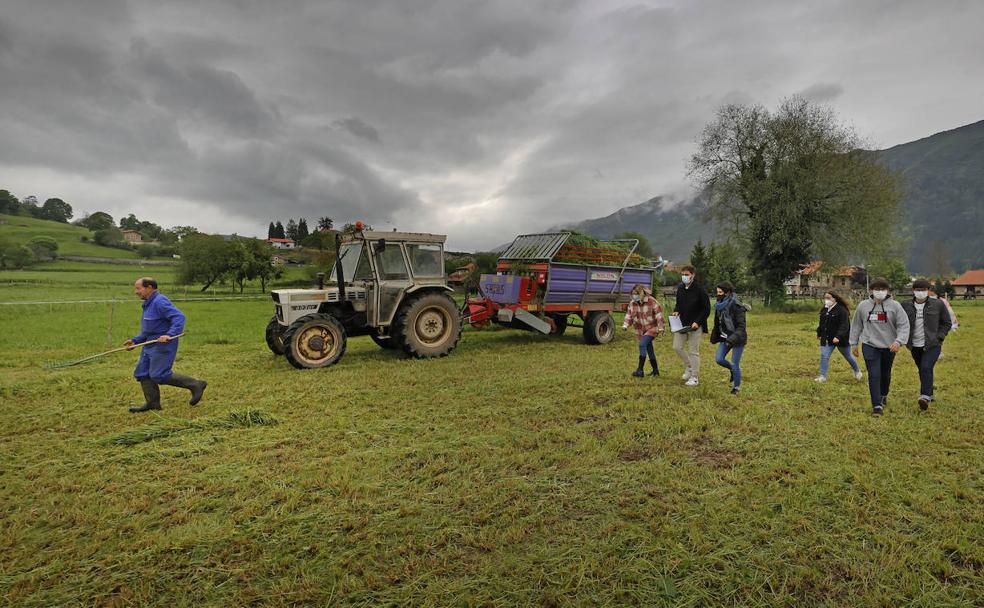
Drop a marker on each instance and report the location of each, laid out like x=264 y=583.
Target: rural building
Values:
x=131 y=236
x=811 y=280
x=281 y=243
x=969 y=285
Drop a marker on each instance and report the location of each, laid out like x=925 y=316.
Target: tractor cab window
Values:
x=390 y=263
x=355 y=263
x=426 y=260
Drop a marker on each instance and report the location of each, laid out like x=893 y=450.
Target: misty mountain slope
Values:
x=943 y=205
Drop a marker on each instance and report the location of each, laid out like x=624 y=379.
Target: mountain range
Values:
x=943 y=206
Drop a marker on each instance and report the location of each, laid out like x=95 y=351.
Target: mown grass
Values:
x=521 y=470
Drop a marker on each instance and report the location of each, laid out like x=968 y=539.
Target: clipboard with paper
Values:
x=677 y=326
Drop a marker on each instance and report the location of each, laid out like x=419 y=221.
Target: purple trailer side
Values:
x=571 y=284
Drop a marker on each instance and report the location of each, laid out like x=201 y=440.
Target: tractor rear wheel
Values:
x=427 y=325
x=383 y=341
x=275 y=336
x=314 y=341
x=599 y=327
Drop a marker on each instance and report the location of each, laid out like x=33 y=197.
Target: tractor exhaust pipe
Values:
x=321 y=280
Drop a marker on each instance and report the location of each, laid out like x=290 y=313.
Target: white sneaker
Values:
x=820 y=379
x=687 y=374
x=858 y=375
x=692 y=381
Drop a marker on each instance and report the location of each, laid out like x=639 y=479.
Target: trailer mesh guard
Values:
x=535 y=246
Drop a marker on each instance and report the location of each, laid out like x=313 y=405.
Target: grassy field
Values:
x=20 y=230
x=71 y=281
x=521 y=470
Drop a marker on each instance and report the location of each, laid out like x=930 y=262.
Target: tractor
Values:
x=389 y=286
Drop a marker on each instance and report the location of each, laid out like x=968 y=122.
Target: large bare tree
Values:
x=797 y=185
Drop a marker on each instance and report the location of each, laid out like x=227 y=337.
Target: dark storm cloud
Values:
x=357 y=127
x=478 y=118
x=822 y=92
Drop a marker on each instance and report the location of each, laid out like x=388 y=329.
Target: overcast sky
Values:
x=480 y=120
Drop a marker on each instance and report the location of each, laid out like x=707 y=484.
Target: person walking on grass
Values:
x=882 y=327
x=729 y=332
x=933 y=295
x=693 y=306
x=160 y=321
x=645 y=314
x=834 y=333
x=930 y=322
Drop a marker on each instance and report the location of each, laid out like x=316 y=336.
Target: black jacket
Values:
x=834 y=323
x=936 y=321
x=693 y=304
x=730 y=322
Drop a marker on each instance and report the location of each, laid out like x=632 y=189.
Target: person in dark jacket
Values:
x=160 y=321
x=729 y=332
x=693 y=307
x=930 y=322
x=834 y=332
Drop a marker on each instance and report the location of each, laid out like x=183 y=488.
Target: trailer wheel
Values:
x=560 y=324
x=275 y=336
x=383 y=341
x=314 y=341
x=427 y=326
x=599 y=327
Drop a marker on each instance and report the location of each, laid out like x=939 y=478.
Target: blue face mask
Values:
x=686 y=279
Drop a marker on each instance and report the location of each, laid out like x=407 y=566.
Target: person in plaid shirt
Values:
x=645 y=314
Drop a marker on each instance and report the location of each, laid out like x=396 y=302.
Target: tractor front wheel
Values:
x=275 y=336
x=599 y=327
x=314 y=341
x=427 y=326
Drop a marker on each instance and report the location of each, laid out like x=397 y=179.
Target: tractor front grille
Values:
x=280 y=313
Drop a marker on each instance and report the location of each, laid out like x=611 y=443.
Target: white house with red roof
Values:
x=282 y=243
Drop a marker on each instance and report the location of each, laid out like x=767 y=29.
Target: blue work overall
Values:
x=160 y=317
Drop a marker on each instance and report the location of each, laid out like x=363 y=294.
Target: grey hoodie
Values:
x=880 y=333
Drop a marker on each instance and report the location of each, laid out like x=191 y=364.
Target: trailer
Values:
x=542 y=280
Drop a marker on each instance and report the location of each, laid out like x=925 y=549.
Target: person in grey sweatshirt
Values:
x=882 y=327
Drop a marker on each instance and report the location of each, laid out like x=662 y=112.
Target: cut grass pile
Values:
x=167 y=427
x=520 y=470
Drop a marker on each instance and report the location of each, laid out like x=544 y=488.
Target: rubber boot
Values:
x=197 y=387
x=655 y=365
x=638 y=373
x=152 y=397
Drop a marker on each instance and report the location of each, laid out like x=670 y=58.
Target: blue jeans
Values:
x=828 y=349
x=734 y=365
x=646 y=348
x=925 y=359
x=879 y=363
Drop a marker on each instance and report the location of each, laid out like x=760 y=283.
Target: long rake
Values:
x=96 y=356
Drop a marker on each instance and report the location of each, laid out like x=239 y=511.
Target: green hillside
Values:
x=945 y=198
x=19 y=229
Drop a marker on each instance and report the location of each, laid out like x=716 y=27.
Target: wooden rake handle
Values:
x=116 y=350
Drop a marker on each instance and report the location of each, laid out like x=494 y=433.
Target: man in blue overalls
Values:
x=160 y=321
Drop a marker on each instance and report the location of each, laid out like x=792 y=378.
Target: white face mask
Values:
x=686 y=279
x=880 y=294
x=636 y=297
x=920 y=295
x=934 y=297
x=829 y=303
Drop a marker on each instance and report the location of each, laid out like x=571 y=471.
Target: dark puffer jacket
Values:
x=731 y=322
x=834 y=323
